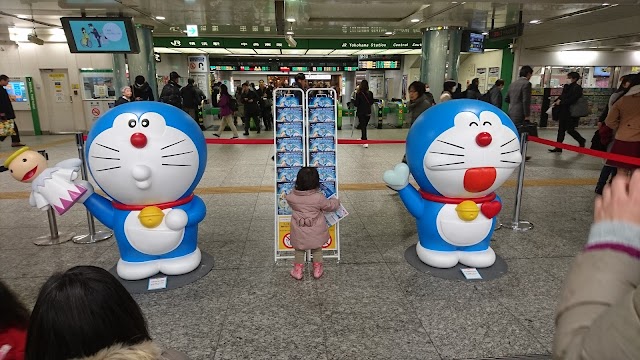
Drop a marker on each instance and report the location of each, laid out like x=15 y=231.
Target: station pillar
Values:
x=440 y=56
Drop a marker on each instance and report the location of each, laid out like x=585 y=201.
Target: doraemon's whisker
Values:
x=111 y=168
x=507 y=143
x=104 y=158
x=175 y=165
x=106 y=147
x=509 y=152
x=184 y=153
x=457 y=163
x=458 y=146
x=168 y=146
x=435 y=152
x=511 y=162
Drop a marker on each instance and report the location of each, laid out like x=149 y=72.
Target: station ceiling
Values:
x=328 y=19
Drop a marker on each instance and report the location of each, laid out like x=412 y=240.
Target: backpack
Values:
x=233 y=104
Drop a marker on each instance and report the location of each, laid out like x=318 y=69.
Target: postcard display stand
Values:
x=306 y=135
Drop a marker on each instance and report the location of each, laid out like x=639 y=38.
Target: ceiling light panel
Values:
x=294 y=51
x=319 y=51
x=367 y=52
x=242 y=51
x=268 y=51
x=343 y=52
x=216 y=51
x=163 y=50
x=189 y=51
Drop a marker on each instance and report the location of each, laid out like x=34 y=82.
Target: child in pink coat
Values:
x=309 y=229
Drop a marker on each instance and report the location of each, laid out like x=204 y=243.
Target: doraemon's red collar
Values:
x=447 y=200
x=162 y=206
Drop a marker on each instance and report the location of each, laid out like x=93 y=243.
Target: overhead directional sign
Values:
x=262 y=43
x=192 y=30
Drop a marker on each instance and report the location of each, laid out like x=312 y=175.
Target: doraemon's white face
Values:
x=142 y=161
x=474 y=157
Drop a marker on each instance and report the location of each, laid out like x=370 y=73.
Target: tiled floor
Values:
x=372 y=305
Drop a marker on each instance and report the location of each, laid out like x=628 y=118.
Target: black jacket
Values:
x=6 y=107
x=143 y=92
x=250 y=100
x=121 y=100
x=190 y=97
x=363 y=103
x=171 y=94
x=570 y=95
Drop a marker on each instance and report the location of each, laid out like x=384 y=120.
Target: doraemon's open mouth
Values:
x=479 y=179
x=30 y=174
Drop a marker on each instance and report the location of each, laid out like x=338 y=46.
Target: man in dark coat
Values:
x=190 y=98
x=251 y=109
x=142 y=90
x=171 y=91
x=6 y=111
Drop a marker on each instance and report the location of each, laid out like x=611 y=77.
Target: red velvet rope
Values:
x=601 y=154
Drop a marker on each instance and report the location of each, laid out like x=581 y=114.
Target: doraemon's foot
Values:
x=180 y=265
x=137 y=270
x=437 y=259
x=478 y=259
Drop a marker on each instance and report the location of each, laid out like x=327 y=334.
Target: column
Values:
x=440 y=56
x=119 y=73
x=144 y=63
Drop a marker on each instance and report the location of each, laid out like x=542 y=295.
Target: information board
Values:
x=379 y=64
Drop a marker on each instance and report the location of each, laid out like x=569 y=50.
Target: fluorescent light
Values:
x=415 y=20
x=413 y=52
x=164 y=50
x=215 y=51
x=485 y=33
x=268 y=51
x=23 y=16
x=368 y=52
x=242 y=51
x=343 y=52
x=189 y=50
x=319 y=51
x=389 y=33
x=291 y=20
x=290 y=32
x=535 y=21
x=392 y=52
x=604 y=4
x=160 y=17
x=294 y=51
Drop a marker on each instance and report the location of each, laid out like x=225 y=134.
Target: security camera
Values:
x=291 y=41
x=35 y=39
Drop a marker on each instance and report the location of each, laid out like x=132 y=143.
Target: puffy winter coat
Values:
x=309 y=228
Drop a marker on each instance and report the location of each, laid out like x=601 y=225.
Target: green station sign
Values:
x=237 y=43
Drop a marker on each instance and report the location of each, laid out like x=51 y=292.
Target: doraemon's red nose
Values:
x=139 y=140
x=483 y=139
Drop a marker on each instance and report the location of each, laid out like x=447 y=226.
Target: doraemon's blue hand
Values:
x=398 y=178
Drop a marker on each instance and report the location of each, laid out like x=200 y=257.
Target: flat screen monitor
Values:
x=100 y=35
x=601 y=71
x=17 y=91
x=472 y=42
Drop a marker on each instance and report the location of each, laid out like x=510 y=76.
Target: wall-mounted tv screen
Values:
x=472 y=42
x=601 y=71
x=100 y=35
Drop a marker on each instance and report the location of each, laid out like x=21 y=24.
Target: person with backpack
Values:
x=571 y=92
x=171 y=91
x=494 y=95
x=225 y=103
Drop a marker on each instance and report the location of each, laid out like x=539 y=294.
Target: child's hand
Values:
x=619 y=201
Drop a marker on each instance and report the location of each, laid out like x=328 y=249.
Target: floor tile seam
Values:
x=521 y=322
x=225 y=317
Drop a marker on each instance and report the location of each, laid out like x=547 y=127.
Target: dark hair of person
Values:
x=13 y=314
x=191 y=81
x=634 y=80
x=526 y=71
x=300 y=76
x=224 y=90
x=474 y=85
x=418 y=87
x=573 y=75
x=90 y=24
x=81 y=311
x=449 y=86
x=140 y=79
x=475 y=81
x=308 y=179
x=623 y=79
x=364 y=86
x=4 y=77
x=499 y=82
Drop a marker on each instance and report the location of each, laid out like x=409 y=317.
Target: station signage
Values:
x=235 y=43
x=507 y=32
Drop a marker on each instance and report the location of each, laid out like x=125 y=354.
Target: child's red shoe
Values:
x=318 y=270
x=297 y=270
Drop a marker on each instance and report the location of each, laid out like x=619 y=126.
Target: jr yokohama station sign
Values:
x=279 y=43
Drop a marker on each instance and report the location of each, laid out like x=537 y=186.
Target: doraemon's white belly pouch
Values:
x=459 y=232
x=155 y=241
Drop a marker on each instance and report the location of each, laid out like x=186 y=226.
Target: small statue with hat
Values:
x=53 y=186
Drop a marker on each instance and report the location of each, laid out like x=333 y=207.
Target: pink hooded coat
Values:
x=309 y=229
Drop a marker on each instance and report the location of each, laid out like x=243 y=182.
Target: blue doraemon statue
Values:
x=148 y=158
x=459 y=152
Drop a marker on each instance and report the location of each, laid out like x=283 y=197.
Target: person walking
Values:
x=226 y=112
x=7 y=113
x=171 y=91
x=624 y=119
x=494 y=95
x=266 y=103
x=364 y=100
x=127 y=96
x=519 y=97
x=142 y=90
x=567 y=123
x=449 y=88
x=419 y=102
x=251 y=110
x=473 y=90
x=190 y=99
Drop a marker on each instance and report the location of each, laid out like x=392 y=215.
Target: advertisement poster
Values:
x=494 y=75
x=481 y=74
x=16 y=88
x=93 y=35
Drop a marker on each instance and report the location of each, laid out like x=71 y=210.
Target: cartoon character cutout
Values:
x=50 y=187
x=148 y=158
x=459 y=153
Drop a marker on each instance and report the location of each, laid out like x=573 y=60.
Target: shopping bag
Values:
x=550 y=111
x=7 y=128
x=580 y=108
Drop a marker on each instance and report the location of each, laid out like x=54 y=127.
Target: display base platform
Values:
x=498 y=269
x=173 y=281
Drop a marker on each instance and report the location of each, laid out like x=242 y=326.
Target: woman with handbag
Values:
x=569 y=116
x=624 y=119
x=364 y=100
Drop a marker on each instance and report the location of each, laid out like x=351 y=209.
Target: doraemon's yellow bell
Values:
x=151 y=216
x=467 y=210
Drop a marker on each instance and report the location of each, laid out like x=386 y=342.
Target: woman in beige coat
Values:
x=309 y=230
x=597 y=318
x=624 y=119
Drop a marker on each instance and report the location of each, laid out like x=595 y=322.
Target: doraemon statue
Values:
x=148 y=157
x=459 y=152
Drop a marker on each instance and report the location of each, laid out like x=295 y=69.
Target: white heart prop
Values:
x=398 y=178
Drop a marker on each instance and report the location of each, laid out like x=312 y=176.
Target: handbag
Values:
x=528 y=127
x=7 y=128
x=580 y=108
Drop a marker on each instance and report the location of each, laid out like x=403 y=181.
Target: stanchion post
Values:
x=517 y=224
x=93 y=236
